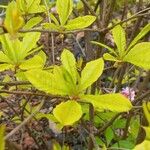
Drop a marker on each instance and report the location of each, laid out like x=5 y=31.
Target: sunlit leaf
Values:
x=139 y=55
x=4 y=67
x=145 y=145
x=142 y=33
x=64 y=9
x=119 y=38
x=105 y=46
x=68 y=112
x=46 y=82
x=91 y=73
x=113 y=102
x=80 y=22
x=32 y=22
x=13 y=21
x=69 y=63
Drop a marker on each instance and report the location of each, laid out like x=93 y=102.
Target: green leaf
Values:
x=54 y=19
x=109 y=57
x=139 y=55
x=32 y=63
x=11 y=47
x=69 y=63
x=4 y=67
x=4 y=58
x=109 y=134
x=63 y=77
x=2 y=141
x=46 y=82
x=112 y=102
x=67 y=113
x=80 y=22
x=29 y=42
x=32 y=22
x=64 y=9
x=33 y=6
x=91 y=73
x=105 y=46
x=13 y=21
x=51 y=26
x=145 y=145
x=142 y=33
x=119 y=38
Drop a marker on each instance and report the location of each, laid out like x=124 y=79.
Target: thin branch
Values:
x=24 y=122
x=31 y=93
x=14 y=83
x=88 y=29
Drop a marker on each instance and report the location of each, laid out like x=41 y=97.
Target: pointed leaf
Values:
x=112 y=102
x=33 y=6
x=32 y=22
x=4 y=67
x=64 y=9
x=29 y=42
x=142 y=33
x=109 y=57
x=105 y=46
x=119 y=38
x=32 y=63
x=80 y=22
x=46 y=82
x=13 y=21
x=4 y=58
x=68 y=112
x=69 y=63
x=91 y=73
x=139 y=55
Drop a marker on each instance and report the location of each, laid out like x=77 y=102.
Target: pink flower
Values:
x=129 y=93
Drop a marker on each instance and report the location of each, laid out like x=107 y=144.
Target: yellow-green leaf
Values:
x=64 y=9
x=145 y=145
x=4 y=67
x=67 y=113
x=80 y=22
x=142 y=33
x=13 y=21
x=46 y=82
x=105 y=46
x=139 y=55
x=91 y=73
x=32 y=22
x=32 y=63
x=69 y=63
x=112 y=102
x=147 y=130
x=29 y=42
x=119 y=38
x=4 y=58
x=109 y=57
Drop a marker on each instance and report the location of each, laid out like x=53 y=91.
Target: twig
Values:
x=24 y=122
x=13 y=83
x=31 y=93
x=109 y=123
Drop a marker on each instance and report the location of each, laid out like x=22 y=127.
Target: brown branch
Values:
x=14 y=83
x=31 y=93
